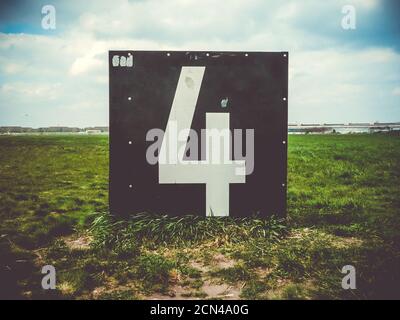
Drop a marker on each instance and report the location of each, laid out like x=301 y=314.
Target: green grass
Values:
x=161 y=229
x=343 y=208
x=49 y=184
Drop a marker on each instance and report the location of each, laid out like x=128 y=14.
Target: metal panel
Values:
x=235 y=89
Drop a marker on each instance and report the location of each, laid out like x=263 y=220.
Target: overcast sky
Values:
x=60 y=77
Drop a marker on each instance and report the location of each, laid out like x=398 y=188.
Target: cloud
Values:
x=342 y=85
x=334 y=75
x=48 y=91
x=85 y=64
x=396 y=91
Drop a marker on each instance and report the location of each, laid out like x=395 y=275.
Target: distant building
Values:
x=53 y=129
x=98 y=128
x=359 y=127
x=93 y=131
x=362 y=124
x=15 y=129
x=293 y=128
x=59 y=129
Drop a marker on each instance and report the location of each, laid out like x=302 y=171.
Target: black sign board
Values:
x=202 y=133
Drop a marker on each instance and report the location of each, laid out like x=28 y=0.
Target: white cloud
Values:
x=328 y=80
x=341 y=85
x=85 y=64
x=31 y=90
x=396 y=91
x=12 y=68
x=365 y=4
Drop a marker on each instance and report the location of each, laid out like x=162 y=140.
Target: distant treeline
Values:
x=18 y=129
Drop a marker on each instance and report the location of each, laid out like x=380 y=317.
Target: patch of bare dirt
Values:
x=212 y=288
x=222 y=262
x=220 y=290
x=81 y=242
x=176 y=292
x=200 y=266
x=262 y=272
x=218 y=261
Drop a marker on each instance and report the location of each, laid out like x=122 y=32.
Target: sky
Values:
x=59 y=76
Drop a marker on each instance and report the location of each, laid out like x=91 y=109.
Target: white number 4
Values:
x=215 y=172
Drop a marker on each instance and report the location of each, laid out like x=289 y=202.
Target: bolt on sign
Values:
x=200 y=133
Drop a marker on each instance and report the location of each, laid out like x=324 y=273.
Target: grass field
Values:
x=343 y=208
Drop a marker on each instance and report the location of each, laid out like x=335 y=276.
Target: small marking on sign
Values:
x=224 y=102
